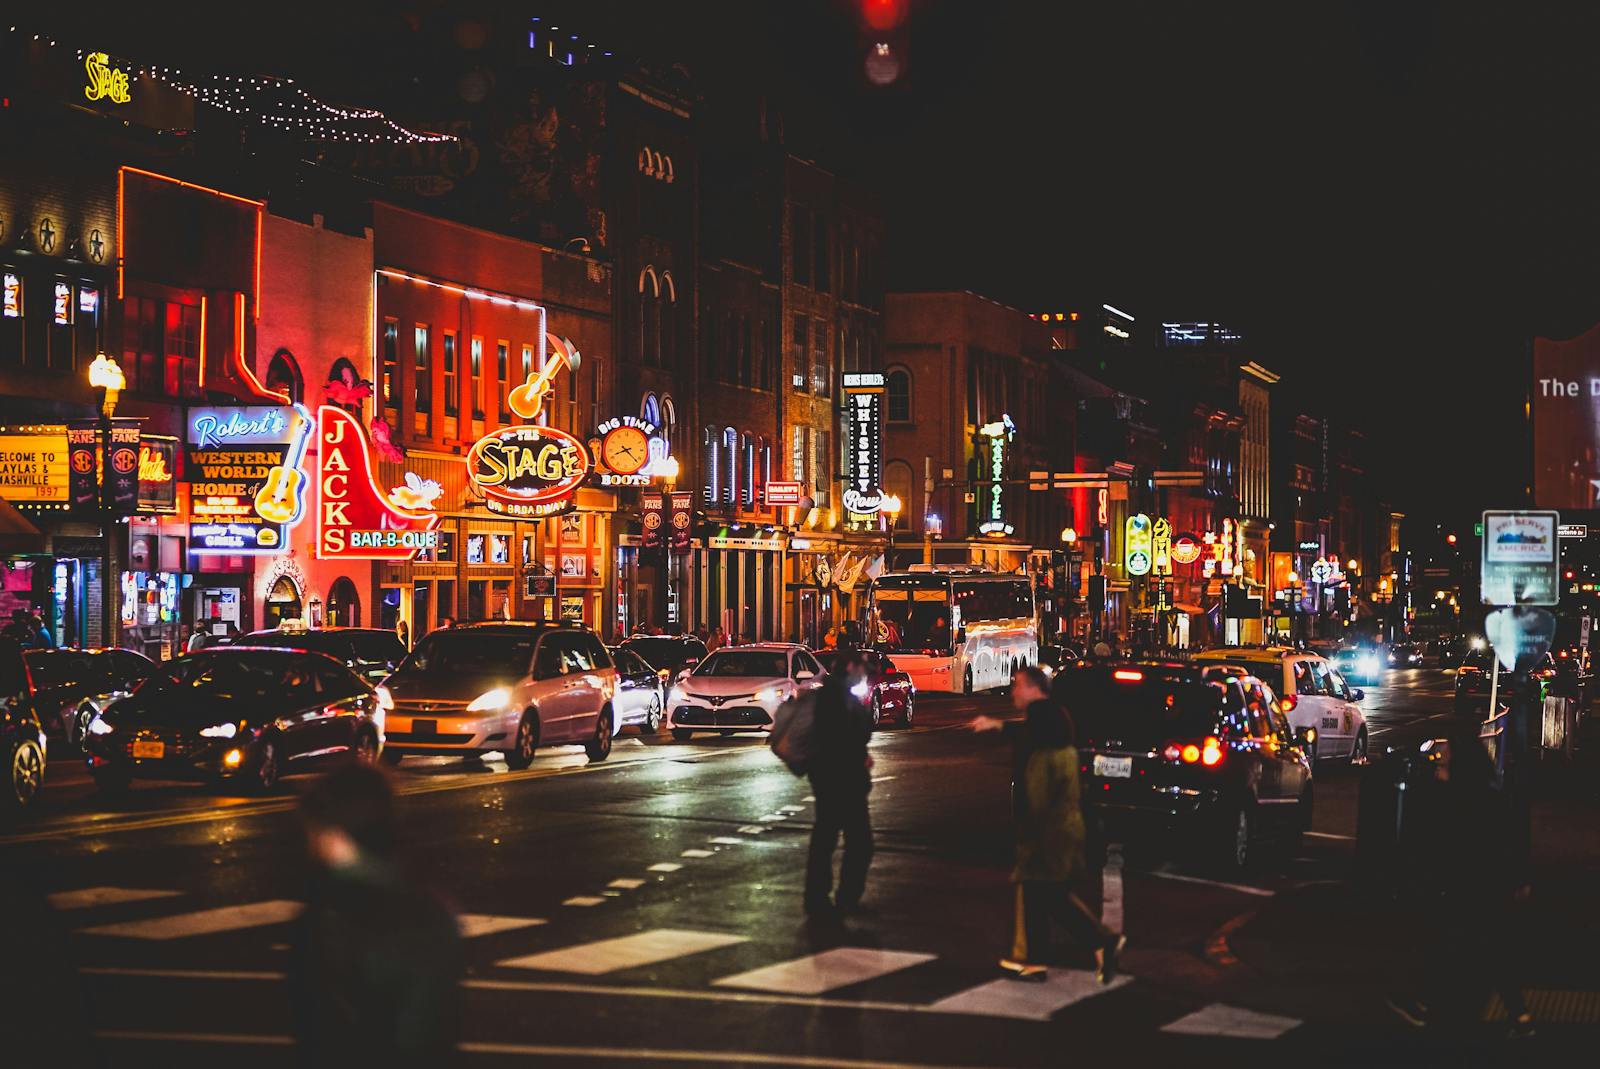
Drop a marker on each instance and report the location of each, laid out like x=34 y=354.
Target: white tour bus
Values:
x=954 y=628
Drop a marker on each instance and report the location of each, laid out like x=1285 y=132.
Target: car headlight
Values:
x=768 y=695
x=220 y=731
x=675 y=694
x=385 y=699
x=1368 y=665
x=490 y=700
x=861 y=690
x=97 y=726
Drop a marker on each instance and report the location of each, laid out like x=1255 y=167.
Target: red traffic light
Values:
x=1450 y=538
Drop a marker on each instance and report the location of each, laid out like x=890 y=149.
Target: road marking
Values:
x=809 y=798
x=1232 y=1022
x=752 y=829
x=1330 y=835
x=626 y=883
x=793 y=808
x=1111 y=890
x=1028 y=1001
x=882 y=779
x=180 y=974
x=774 y=817
x=476 y=924
x=583 y=900
x=819 y=973
x=664 y=866
x=1242 y=888
x=625 y=952
x=104 y=896
x=728 y=840
x=698 y=853
x=549 y=1050
x=203 y=922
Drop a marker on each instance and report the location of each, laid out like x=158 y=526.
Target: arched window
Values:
x=669 y=423
x=729 y=465
x=897 y=395
x=747 y=470
x=711 y=462
x=897 y=481
x=763 y=470
x=283 y=375
x=344 y=604
x=650 y=409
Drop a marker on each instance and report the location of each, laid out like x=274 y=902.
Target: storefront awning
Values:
x=17 y=532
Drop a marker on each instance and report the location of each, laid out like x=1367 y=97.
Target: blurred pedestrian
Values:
x=716 y=640
x=1471 y=918
x=830 y=640
x=446 y=622
x=199 y=639
x=841 y=777
x=1050 y=834
x=375 y=962
x=41 y=638
x=402 y=631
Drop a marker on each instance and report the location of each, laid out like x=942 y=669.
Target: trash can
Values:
x=1392 y=816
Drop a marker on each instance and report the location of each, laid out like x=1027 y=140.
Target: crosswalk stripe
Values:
x=819 y=973
x=476 y=924
x=86 y=897
x=697 y=853
x=1028 y=1001
x=625 y=952
x=1233 y=1022
x=583 y=900
x=664 y=866
x=203 y=922
x=626 y=883
x=727 y=840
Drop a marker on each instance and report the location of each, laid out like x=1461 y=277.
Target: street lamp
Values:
x=106 y=376
x=1068 y=535
x=891 y=507
x=667 y=469
x=1294 y=603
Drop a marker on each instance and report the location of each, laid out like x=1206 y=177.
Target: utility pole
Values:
x=927 y=510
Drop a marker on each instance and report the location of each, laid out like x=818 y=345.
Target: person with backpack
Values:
x=841 y=778
x=1050 y=834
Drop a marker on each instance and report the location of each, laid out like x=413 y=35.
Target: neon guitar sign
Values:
x=530 y=470
x=282 y=498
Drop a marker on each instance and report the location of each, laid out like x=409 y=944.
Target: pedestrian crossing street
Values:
x=840 y=976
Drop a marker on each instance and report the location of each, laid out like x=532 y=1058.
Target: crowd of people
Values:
x=27 y=628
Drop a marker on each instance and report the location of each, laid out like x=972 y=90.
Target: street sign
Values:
x=1573 y=530
x=1519 y=561
x=782 y=493
x=1521 y=636
x=1186 y=549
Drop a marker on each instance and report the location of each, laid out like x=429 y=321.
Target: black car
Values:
x=67 y=687
x=23 y=746
x=1474 y=677
x=669 y=655
x=370 y=652
x=236 y=715
x=1404 y=655
x=1164 y=753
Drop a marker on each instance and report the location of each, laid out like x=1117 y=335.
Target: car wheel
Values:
x=909 y=711
x=110 y=780
x=966 y=682
x=599 y=747
x=652 y=719
x=877 y=710
x=27 y=775
x=1237 y=834
x=365 y=750
x=266 y=773
x=80 y=725
x=527 y=741
x=1358 y=750
x=682 y=734
x=391 y=757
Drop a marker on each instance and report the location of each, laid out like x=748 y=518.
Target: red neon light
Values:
x=556 y=490
x=202 y=339
x=351 y=506
x=259 y=205
x=1127 y=675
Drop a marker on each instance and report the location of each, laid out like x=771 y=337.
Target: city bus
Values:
x=954 y=628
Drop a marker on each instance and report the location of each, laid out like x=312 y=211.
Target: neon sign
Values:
x=529 y=470
x=215 y=426
x=246 y=488
x=998 y=433
x=354 y=519
x=1137 y=539
x=863 y=392
x=105 y=81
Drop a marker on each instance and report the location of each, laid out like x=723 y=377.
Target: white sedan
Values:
x=740 y=688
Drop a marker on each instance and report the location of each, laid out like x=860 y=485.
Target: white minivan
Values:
x=1313 y=692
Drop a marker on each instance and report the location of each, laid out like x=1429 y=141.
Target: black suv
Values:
x=370 y=652
x=1205 y=755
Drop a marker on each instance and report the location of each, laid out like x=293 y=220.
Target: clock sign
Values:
x=625 y=449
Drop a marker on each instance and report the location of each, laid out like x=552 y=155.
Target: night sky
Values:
x=1389 y=198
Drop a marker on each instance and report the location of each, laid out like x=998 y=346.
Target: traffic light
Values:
x=1450 y=538
x=883 y=15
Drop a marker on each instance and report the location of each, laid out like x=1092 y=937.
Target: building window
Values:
x=746 y=370
x=764 y=369
x=182 y=377
x=799 y=352
x=822 y=467
x=283 y=376
x=389 y=373
x=710 y=455
x=474 y=549
x=141 y=352
x=13 y=295
x=446 y=551
x=527 y=362
x=747 y=470
x=476 y=372
x=452 y=398
x=424 y=371
x=713 y=365
x=800 y=239
x=669 y=423
x=797 y=455
x=729 y=464
x=11 y=336
x=820 y=248
x=502 y=374
x=821 y=371
x=897 y=395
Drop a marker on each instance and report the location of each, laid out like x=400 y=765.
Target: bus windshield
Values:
x=911 y=621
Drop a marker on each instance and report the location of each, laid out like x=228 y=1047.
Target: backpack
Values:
x=790 y=737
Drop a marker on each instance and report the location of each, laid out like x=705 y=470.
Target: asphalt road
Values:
x=685 y=861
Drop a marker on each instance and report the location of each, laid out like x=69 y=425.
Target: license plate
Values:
x=1113 y=767
x=424 y=727
x=1330 y=723
x=148 y=748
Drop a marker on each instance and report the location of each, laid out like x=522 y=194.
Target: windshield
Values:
x=473 y=652
x=233 y=677
x=661 y=652
x=68 y=668
x=1137 y=708
x=766 y=663
x=911 y=621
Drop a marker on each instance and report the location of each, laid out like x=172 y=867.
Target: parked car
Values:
x=1312 y=693
x=740 y=688
x=67 y=687
x=236 y=714
x=669 y=655
x=891 y=697
x=503 y=687
x=1170 y=756
x=1404 y=655
x=1362 y=662
x=370 y=652
x=24 y=748
x=1058 y=655
x=641 y=697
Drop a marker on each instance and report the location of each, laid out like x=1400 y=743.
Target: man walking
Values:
x=375 y=962
x=840 y=773
x=1050 y=834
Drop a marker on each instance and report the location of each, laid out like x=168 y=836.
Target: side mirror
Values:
x=804 y=674
x=688 y=664
x=1357 y=694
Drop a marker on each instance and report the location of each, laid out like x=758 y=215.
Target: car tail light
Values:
x=1211 y=753
x=1127 y=675
x=1207 y=752
x=1288 y=701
